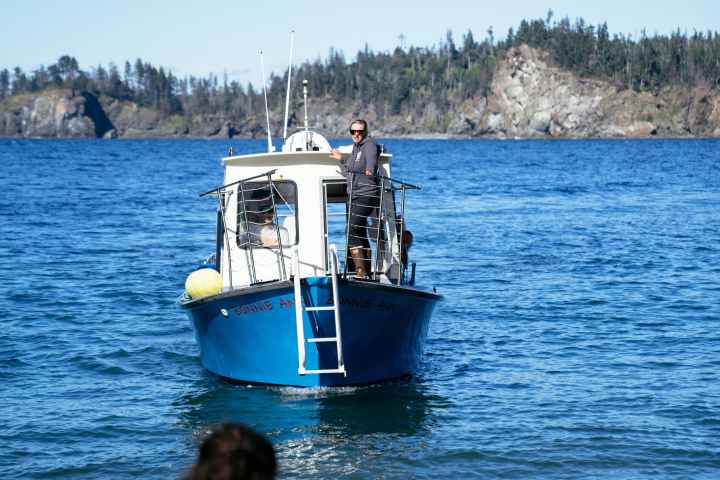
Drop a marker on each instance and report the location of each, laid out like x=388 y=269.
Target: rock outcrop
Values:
x=57 y=113
x=529 y=97
x=532 y=98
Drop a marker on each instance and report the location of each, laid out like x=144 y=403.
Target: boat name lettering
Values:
x=355 y=302
x=253 y=308
x=287 y=302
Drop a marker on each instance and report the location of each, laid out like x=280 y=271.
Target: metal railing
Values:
x=257 y=226
x=256 y=220
x=385 y=224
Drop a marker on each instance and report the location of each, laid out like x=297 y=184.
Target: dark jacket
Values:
x=364 y=157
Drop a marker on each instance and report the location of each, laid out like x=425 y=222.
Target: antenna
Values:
x=305 y=83
x=267 y=112
x=287 y=95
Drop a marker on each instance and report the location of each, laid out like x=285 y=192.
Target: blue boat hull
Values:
x=250 y=334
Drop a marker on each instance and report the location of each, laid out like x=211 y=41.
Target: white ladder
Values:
x=335 y=307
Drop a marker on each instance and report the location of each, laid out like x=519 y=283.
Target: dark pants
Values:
x=361 y=208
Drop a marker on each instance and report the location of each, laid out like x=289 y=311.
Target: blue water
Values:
x=580 y=336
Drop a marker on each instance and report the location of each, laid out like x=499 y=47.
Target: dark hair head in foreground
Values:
x=233 y=451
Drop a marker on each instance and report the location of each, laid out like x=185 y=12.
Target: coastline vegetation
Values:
x=406 y=79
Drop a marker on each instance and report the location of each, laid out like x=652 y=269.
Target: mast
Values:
x=287 y=94
x=267 y=112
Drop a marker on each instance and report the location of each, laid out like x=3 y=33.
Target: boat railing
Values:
x=257 y=221
x=385 y=226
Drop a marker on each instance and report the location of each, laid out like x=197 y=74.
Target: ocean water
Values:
x=579 y=336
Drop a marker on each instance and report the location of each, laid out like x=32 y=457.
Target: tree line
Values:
x=646 y=63
x=405 y=80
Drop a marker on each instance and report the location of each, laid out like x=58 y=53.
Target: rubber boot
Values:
x=366 y=265
x=360 y=262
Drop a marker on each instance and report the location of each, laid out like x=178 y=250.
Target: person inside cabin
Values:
x=233 y=451
x=261 y=229
x=267 y=232
x=361 y=170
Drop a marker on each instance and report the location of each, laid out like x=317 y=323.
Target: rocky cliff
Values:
x=51 y=114
x=532 y=98
x=529 y=98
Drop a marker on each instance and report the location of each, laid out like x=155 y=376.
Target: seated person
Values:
x=261 y=231
x=289 y=224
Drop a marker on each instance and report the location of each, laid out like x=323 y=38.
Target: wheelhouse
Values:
x=278 y=205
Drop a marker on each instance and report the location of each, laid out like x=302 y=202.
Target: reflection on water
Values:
x=312 y=425
x=400 y=409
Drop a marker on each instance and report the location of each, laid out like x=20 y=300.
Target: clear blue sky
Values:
x=198 y=38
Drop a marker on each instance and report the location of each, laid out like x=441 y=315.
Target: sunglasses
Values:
x=353 y=132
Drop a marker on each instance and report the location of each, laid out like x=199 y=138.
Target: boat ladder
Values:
x=334 y=307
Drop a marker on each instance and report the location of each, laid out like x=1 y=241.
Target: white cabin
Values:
x=310 y=198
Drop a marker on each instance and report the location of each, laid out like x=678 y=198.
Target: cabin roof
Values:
x=287 y=158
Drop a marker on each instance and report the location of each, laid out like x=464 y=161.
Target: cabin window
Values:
x=267 y=214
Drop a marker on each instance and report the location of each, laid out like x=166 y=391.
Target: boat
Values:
x=278 y=302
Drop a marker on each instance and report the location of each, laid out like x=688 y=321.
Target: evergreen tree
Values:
x=4 y=83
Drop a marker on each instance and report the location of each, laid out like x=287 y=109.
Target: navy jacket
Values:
x=364 y=157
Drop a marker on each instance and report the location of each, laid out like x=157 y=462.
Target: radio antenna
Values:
x=267 y=112
x=287 y=95
x=305 y=83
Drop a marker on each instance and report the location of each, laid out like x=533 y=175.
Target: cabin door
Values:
x=335 y=212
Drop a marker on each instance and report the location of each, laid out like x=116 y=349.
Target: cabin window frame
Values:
x=294 y=210
x=326 y=233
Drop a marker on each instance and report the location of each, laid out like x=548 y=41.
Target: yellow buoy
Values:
x=203 y=282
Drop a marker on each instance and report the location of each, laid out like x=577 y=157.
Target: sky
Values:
x=203 y=37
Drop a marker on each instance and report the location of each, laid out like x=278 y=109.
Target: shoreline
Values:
x=429 y=136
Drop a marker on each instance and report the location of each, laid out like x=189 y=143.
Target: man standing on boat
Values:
x=362 y=171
